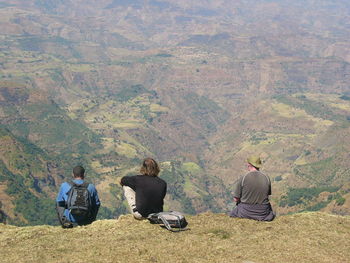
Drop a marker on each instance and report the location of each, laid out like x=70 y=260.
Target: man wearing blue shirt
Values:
x=65 y=217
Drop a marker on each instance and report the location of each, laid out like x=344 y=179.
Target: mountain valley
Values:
x=197 y=85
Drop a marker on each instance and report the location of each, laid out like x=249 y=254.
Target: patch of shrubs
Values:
x=317 y=206
x=340 y=201
x=297 y=196
x=278 y=178
x=131 y=92
x=344 y=97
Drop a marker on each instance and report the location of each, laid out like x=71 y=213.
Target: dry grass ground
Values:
x=305 y=237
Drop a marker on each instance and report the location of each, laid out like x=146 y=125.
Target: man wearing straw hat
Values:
x=251 y=193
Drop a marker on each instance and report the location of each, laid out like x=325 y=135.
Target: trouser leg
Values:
x=60 y=214
x=65 y=223
x=130 y=197
x=2 y=217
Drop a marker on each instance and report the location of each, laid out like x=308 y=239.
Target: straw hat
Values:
x=255 y=161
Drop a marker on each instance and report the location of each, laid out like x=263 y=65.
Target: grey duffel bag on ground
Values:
x=171 y=220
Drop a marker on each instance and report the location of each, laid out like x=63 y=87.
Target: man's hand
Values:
x=236 y=199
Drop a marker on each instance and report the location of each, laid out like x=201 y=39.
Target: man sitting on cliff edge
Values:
x=251 y=193
x=77 y=203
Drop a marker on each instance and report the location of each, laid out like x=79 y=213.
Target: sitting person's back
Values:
x=254 y=188
x=252 y=194
x=77 y=202
x=145 y=193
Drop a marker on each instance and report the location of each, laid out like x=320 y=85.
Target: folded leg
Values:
x=130 y=197
x=65 y=223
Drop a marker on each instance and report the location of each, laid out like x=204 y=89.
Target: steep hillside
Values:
x=306 y=237
x=28 y=113
x=41 y=142
x=197 y=85
x=303 y=141
x=28 y=181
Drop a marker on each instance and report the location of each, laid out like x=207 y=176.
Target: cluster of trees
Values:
x=131 y=92
x=176 y=181
x=314 y=108
x=206 y=111
x=2 y=215
x=36 y=210
x=298 y=196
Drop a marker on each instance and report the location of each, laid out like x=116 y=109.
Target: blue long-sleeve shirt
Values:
x=62 y=199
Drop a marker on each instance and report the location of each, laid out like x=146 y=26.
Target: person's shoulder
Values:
x=160 y=180
x=65 y=185
x=261 y=173
x=131 y=176
x=91 y=186
x=128 y=179
x=265 y=175
x=254 y=173
x=141 y=177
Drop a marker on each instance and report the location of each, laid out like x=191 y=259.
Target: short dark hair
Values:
x=149 y=167
x=78 y=171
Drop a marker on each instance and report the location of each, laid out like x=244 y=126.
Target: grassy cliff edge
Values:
x=304 y=237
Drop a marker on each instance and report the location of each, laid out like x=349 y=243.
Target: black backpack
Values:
x=170 y=220
x=79 y=200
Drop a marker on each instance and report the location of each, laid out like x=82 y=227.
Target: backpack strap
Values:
x=165 y=222
x=168 y=226
x=85 y=184
x=160 y=218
